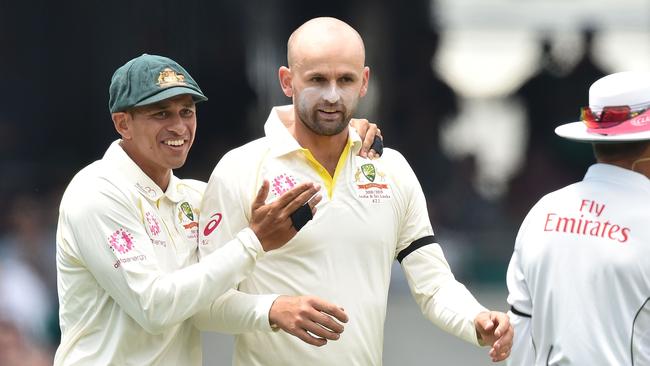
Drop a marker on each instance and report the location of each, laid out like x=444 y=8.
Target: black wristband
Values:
x=301 y=216
x=378 y=145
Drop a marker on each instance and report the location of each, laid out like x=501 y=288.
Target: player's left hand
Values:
x=367 y=131
x=493 y=329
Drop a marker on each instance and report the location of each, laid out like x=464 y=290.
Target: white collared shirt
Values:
x=371 y=211
x=128 y=277
x=579 y=277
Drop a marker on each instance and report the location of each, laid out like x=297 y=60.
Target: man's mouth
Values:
x=174 y=143
x=329 y=112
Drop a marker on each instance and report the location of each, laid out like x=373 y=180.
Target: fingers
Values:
x=361 y=125
x=320 y=331
x=331 y=309
x=328 y=323
x=308 y=338
x=377 y=147
x=368 y=139
x=301 y=316
x=499 y=353
x=313 y=202
x=261 y=195
x=498 y=357
x=486 y=321
x=302 y=191
x=503 y=335
x=320 y=322
x=300 y=199
x=503 y=323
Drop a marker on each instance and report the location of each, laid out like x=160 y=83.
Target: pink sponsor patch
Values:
x=282 y=184
x=154 y=225
x=121 y=241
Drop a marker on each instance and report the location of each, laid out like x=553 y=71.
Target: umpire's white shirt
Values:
x=372 y=211
x=581 y=270
x=127 y=272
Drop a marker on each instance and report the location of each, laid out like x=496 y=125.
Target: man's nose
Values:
x=177 y=125
x=331 y=95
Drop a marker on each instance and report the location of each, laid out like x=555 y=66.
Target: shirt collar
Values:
x=627 y=177
x=281 y=140
x=134 y=175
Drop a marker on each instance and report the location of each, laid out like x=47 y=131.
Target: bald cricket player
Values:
x=373 y=212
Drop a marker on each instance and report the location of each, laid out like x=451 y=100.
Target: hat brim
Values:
x=170 y=93
x=577 y=131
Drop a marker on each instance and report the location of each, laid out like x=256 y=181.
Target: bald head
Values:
x=326 y=77
x=324 y=37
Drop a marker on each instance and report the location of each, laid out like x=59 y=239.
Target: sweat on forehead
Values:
x=321 y=33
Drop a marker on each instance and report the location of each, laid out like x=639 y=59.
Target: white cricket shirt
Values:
x=581 y=271
x=372 y=210
x=127 y=272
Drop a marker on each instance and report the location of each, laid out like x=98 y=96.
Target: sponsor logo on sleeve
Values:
x=212 y=225
x=121 y=242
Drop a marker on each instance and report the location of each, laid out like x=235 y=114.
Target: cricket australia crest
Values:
x=187 y=222
x=371 y=184
x=169 y=77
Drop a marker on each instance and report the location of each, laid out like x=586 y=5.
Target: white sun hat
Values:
x=619 y=110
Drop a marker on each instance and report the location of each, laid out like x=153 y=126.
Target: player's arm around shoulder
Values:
x=228 y=195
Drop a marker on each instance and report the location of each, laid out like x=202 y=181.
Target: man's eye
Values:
x=161 y=115
x=346 y=79
x=317 y=79
x=187 y=113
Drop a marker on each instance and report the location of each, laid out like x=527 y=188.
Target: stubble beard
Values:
x=323 y=128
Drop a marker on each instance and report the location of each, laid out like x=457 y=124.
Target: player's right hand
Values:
x=271 y=222
x=309 y=318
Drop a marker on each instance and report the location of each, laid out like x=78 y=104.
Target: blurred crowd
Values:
x=55 y=121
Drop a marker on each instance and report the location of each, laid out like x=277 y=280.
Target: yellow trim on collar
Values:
x=329 y=181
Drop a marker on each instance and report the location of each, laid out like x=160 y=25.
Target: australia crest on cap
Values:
x=169 y=77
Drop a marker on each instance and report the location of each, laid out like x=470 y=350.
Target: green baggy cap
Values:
x=149 y=79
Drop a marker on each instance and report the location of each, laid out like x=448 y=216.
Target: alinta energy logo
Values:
x=121 y=241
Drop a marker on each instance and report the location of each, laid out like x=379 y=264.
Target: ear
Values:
x=122 y=125
x=285 y=81
x=364 y=81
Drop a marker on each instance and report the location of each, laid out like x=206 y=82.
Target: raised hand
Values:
x=367 y=131
x=271 y=222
